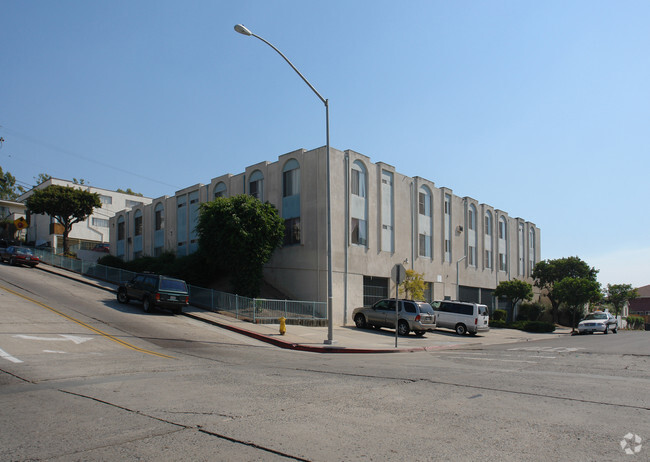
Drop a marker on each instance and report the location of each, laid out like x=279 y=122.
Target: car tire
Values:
x=146 y=305
x=419 y=333
x=605 y=331
x=615 y=330
x=360 y=321
x=122 y=297
x=403 y=328
x=461 y=329
x=12 y=262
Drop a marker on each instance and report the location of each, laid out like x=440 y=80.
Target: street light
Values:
x=244 y=31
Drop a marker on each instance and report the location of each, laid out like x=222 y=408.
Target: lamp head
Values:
x=242 y=30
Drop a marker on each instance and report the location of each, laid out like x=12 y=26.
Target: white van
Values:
x=462 y=317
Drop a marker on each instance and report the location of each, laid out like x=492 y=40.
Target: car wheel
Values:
x=403 y=328
x=360 y=321
x=419 y=333
x=605 y=330
x=122 y=297
x=461 y=329
x=146 y=304
x=615 y=330
x=12 y=262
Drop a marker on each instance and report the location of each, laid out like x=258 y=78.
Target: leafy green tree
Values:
x=128 y=191
x=239 y=235
x=575 y=293
x=549 y=272
x=41 y=178
x=515 y=291
x=8 y=189
x=619 y=294
x=65 y=204
x=413 y=285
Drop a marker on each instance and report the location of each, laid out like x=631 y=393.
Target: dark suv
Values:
x=155 y=290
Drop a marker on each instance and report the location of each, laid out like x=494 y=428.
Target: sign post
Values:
x=398 y=275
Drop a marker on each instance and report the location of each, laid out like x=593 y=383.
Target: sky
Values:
x=540 y=109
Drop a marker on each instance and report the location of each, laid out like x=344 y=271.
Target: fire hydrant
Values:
x=283 y=326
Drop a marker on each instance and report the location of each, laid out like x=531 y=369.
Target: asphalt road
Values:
x=85 y=378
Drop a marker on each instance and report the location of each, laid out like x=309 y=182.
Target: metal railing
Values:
x=254 y=309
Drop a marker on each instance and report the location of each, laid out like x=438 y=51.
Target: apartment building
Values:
x=379 y=218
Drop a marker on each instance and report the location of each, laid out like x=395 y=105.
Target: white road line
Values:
x=5 y=355
x=70 y=338
x=497 y=359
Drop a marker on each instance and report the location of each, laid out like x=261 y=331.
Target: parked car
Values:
x=154 y=290
x=462 y=317
x=598 y=321
x=412 y=316
x=17 y=255
x=102 y=248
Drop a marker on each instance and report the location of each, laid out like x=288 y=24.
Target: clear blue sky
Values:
x=541 y=109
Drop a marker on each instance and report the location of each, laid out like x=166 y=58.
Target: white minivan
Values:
x=462 y=317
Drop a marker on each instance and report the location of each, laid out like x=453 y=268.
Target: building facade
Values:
x=44 y=229
x=10 y=212
x=379 y=218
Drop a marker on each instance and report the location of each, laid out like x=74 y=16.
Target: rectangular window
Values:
x=502 y=230
x=106 y=199
x=254 y=189
x=502 y=262
x=359 y=233
x=374 y=289
x=488 y=259
x=130 y=203
x=424 y=245
x=101 y=222
x=292 y=231
x=291 y=183
x=447 y=245
x=471 y=256
x=422 y=204
x=447 y=204
x=120 y=231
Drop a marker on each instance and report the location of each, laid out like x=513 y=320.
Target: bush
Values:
x=499 y=315
x=530 y=311
x=498 y=323
x=635 y=322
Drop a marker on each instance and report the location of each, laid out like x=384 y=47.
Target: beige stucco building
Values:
x=379 y=218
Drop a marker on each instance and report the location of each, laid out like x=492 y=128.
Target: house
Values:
x=12 y=215
x=379 y=218
x=640 y=306
x=45 y=230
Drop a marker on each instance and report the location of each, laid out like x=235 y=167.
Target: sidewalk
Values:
x=347 y=339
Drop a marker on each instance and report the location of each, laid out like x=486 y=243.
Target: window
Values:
x=137 y=223
x=471 y=255
x=159 y=216
x=424 y=246
x=488 y=223
x=292 y=231
x=374 y=289
x=256 y=185
x=471 y=218
x=447 y=204
x=502 y=262
x=502 y=228
x=488 y=259
x=358 y=180
x=130 y=203
x=359 y=232
x=107 y=200
x=120 y=229
x=101 y=222
x=220 y=190
x=291 y=182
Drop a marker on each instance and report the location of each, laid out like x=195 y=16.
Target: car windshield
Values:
x=596 y=316
x=23 y=251
x=425 y=308
x=175 y=285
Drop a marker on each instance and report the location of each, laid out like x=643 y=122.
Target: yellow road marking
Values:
x=81 y=323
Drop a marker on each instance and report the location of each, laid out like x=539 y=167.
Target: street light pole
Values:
x=330 y=336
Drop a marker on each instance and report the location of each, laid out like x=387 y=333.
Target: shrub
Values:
x=635 y=322
x=112 y=261
x=530 y=311
x=499 y=315
x=498 y=323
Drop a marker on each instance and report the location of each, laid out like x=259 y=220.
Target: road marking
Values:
x=496 y=359
x=87 y=326
x=66 y=338
x=5 y=355
x=548 y=349
x=55 y=351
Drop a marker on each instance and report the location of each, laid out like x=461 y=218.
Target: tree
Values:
x=239 y=234
x=575 y=293
x=65 y=204
x=548 y=272
x=413 y=285
x=128 y=191
x=619 y=294
x=8 y=189
x=41 y=178
x=515 y=291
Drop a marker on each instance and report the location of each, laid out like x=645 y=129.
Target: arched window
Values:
x=137 y=222
x=159 y=216
x=358 y=204
x=220 y=190
x=425 y=222
x=489 y=254
x=291 y=202
x=256 y=185
x=472 y=238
